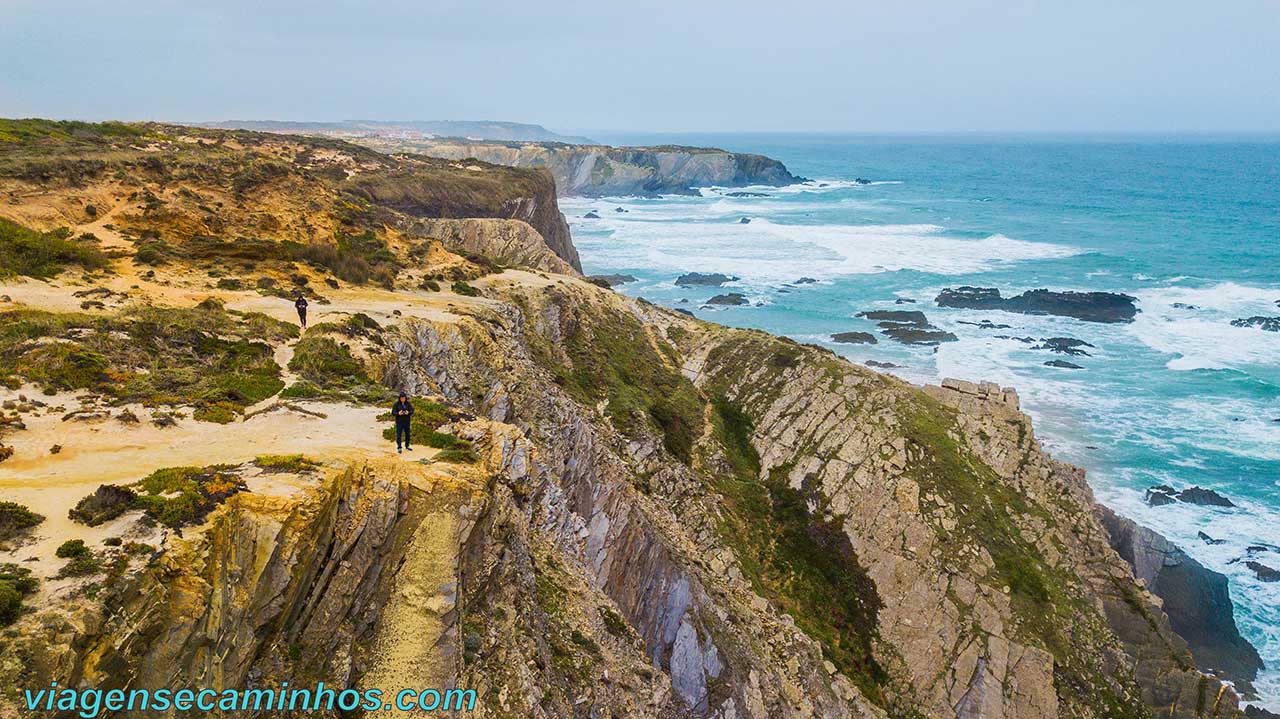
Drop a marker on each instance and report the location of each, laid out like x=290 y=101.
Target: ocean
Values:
x=1188 y=225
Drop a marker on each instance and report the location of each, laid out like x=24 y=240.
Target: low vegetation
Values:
x=16 y=519
x=15 y=583
x=428 y=416
x=174 y=496
x=295 y=463
x=216 y=360
x=328 y=370
x=42 y=255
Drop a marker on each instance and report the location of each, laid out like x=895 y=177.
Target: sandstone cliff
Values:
x=601 y=170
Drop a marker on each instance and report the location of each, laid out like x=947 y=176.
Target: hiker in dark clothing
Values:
x=301 y=304
x=402 y=410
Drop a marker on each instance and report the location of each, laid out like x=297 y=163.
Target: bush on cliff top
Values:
x=16 y=519
x=42 y=255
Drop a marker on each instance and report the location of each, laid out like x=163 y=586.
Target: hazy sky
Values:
x=857 y=65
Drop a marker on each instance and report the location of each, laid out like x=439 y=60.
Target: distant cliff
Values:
x=601 y=170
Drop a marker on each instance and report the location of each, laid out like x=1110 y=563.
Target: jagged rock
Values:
x=1209 y=540
x=909 y=327
x=1064 y=345
x=1266 y=324
x=621 y=209
x=1162 y=494
x=744 y=221
x=1088 y=306
x=985 y=325
x=880 y=365
x=854 y=338
x=804 y=281
x=1196 y=599
x=861 y=181
x=591 y=216
x=698 y=279
x=1263 y=572
x=1205 y=497
x=732 y=298
x=1253 y=712
x=612 y=280
x=1062 y=364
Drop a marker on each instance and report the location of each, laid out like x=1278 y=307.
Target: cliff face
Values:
x=601 y=170
x=653 y=516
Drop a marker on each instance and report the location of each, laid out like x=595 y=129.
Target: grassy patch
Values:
x=613 y=359
x=204 y=356
x=43 y=255
x=296 y=463
x=457 y=455
x=16 y=519
x=72 y=549
x=356 y=258
x=328 y=370
x=176 y=496
x=464 y=289
x=802 y=562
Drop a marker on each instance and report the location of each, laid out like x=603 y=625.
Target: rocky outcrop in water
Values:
x=1194 y=598
x=1266 y=324
x=1088 y=306
x=854 y=338
x=909 y=327
x=698 y=279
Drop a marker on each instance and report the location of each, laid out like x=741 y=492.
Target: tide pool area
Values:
x=1187 y=394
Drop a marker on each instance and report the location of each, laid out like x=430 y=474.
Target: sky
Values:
x=695 y=65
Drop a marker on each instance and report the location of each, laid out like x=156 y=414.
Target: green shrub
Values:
x=42 y=255
x=112 y=542
x=358 y=259
x=457 y=456
x=81 y=566
x=176 y=496
x=296 y=463
x=427 y=417
x=10 y=603
x=325 y=363
x=16 y=519
x=105 y=504
x=71 y=549
x=464 y=289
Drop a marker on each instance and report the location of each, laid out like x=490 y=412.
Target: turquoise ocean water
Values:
x=1190 y=226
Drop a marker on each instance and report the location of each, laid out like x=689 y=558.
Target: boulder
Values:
x=804 y=281
x=698 y=279
x=591 y=216
x=881 y=365
x=854 y=338
x=1063 y=345
x=1088 y=306
x=744 y=221
x=1265 y=573
x=1160 y=495
x=1062 y=364
x=1209 y=540
x=1204 y=497
x=913 y=317
x=732 y=299
x=909 y=335
x=1266 y=324
x=621 y=209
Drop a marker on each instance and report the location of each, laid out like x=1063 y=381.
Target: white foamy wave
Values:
x=1198 y=331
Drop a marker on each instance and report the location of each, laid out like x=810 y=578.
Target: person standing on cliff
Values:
x=402 y=411
x=301 y=305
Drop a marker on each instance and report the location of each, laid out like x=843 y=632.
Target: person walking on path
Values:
x=301 y=304
x=402 y=411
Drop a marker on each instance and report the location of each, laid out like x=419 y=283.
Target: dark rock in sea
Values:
x=612 y=280
x=804 y=281
x=854 y=338
x=1087 y=306
x=1196 y=599
x=1253 y=712
x=1062 y=364
x=1263 y=572
x=904 y=301
x=1209 y=540
x=620 y=209
x=591 y=215
x=1266 y=324
x=913 y=317
x=1204 y=497
x=744 y=221
x=697 y=279
x=732 y=298
x=861 y=181
x=1064 y=345
x=784 y=291
x=910 y=335
x=881 y=365
x=1160 y=496
x=1184 y=306
x=909 y=327
x=986 y=325
x=745 y=194
x=684 y=311
x=1023 y=340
